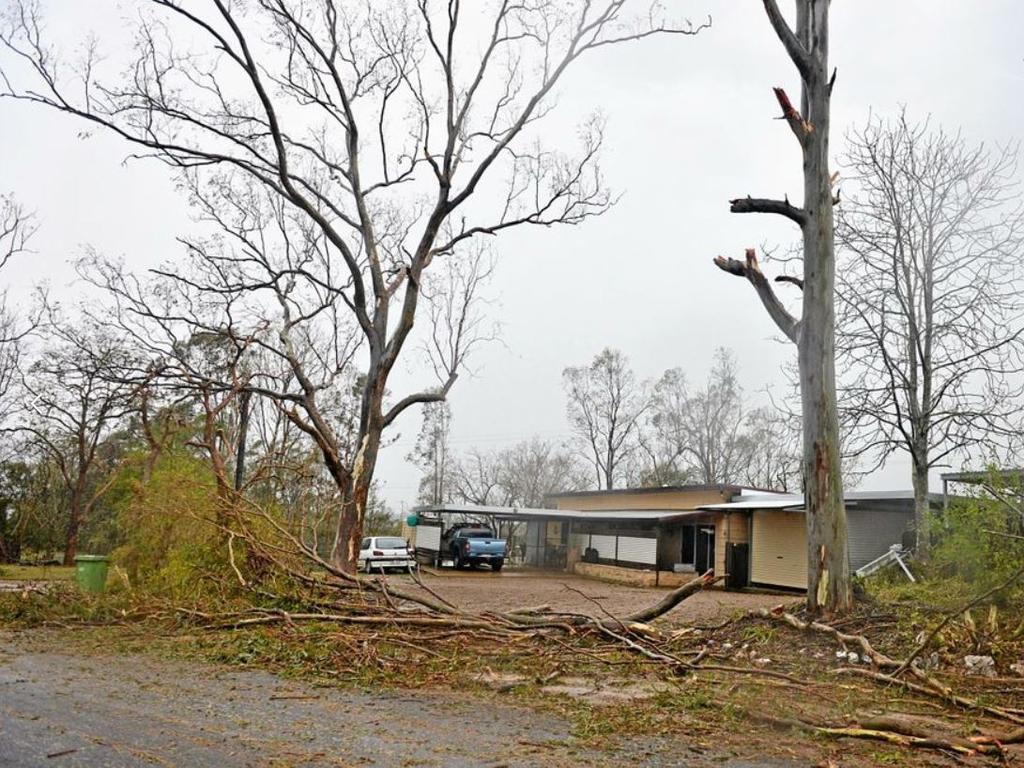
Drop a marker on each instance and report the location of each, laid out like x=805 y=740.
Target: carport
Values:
x=558 y=538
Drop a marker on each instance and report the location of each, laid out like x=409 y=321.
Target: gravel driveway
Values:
x=484 y=590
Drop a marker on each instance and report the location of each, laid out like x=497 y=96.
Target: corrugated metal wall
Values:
x=872 y=532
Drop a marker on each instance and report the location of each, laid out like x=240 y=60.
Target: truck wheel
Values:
x=496 y=565
x=457 y=560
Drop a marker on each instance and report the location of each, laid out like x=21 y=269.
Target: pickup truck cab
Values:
x=382 y=552
x=471 y=544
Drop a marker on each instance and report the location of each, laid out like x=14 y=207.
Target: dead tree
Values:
x=828 y=568
x=376 y=128
x=930 y=315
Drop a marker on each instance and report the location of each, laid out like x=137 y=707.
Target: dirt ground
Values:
x=484 y=590
x=58 y=709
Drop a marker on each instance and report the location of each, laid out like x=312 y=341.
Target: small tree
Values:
x=432 y=454
x=605 y=404
x=813 y=333
x=930 y=313
x=73 y=406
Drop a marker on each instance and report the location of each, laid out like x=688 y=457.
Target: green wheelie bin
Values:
x=91 y=572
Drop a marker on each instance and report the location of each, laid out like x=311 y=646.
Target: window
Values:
x=689 y=553
x=365 y=544
x=391 y=542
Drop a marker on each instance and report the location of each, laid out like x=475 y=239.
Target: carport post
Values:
x=568 y=543
x=657 y=542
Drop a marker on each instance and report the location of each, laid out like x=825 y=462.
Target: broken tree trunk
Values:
x=828 y=568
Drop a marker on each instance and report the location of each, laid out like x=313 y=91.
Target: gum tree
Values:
x=813 y=331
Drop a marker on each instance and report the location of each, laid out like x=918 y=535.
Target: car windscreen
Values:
x=391 y=542
x=476 y=533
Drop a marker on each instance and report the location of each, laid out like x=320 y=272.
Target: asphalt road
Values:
x=60 y=710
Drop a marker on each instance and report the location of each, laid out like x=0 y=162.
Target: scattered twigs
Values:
x=952 y=615
x=418 y=578
x=876 y=657
x=929 y=686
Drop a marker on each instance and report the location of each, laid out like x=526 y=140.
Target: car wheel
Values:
x=367 y=568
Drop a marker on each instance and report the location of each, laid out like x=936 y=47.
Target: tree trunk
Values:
x=243 y=432
x=922 y=511
x=73 y=529
x=828 y=571
x=355 y=495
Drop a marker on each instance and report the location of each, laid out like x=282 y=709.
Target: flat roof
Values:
x=528 y=513
x=978 y=477
x=722 y=487
x=795 y=502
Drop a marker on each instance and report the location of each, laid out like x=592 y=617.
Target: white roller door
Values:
x=633 y=549
x=778 y=552
x=605 y=546
x=428 y=537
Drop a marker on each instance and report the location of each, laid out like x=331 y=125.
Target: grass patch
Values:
x=37 y=572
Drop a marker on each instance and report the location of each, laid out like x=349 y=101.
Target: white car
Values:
x=383 y=552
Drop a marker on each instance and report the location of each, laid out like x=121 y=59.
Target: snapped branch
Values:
x=750 y=269
x=750 y=204
x=800 y=127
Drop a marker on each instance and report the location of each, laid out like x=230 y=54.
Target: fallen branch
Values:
x=674 y=598
x=938 y=692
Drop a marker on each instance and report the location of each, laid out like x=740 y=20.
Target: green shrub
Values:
x=977 y=538
x=169 y=546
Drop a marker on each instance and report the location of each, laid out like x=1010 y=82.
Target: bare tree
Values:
x=828 y=572
x=373 y=129
x=711 y=435
x=772 y=455
x=605 y=404
x=16 y=228
x=433 y=455
x=522 y=475
x=703 y=429
x=930 y=314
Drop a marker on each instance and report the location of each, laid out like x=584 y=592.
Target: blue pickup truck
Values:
x=472 y=544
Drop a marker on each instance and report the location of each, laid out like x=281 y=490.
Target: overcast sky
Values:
x=689 y=125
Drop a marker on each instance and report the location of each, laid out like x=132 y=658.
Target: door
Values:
x=778 y=549
x=705 y=546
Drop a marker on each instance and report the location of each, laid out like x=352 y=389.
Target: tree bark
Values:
x=828 y=575
x=922 y=511
x=828 y=566
x=73 y=529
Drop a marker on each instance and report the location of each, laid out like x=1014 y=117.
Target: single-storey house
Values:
x=664 y=535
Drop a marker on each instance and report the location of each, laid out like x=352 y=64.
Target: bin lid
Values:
x=91 y=558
